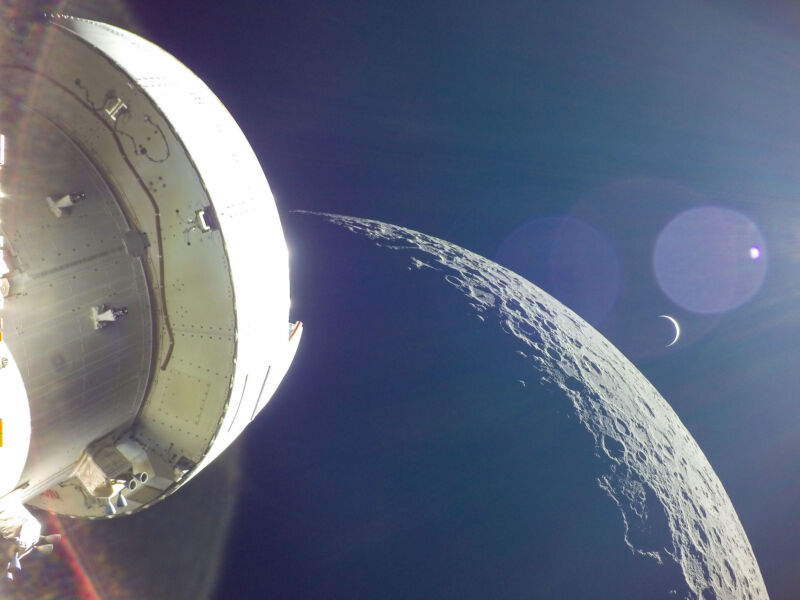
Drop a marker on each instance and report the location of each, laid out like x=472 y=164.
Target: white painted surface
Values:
x=16 y=415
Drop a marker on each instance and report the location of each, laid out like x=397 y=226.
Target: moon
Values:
x=648 y=454
x=677 y=328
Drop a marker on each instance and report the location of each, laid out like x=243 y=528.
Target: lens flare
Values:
x=706 y=259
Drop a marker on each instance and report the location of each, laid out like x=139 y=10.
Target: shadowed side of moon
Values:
x=648 y=454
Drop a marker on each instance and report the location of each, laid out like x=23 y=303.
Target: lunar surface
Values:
x=648 y=458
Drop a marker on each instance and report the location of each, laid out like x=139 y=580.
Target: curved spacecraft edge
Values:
x=145 y=279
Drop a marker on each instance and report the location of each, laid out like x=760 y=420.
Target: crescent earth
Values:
x=649 y=455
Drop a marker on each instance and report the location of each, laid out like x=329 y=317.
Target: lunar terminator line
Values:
x=145 y=280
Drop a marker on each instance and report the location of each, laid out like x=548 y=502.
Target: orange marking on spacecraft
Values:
x=1 y=432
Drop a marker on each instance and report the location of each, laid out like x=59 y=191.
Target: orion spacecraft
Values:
x=144 y=277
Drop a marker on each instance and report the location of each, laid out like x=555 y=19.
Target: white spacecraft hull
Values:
x=146 y=302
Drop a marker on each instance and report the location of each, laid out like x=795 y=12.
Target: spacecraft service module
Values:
x=144 y=277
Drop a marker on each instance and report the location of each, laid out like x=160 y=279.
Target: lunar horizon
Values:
x=647 y=450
